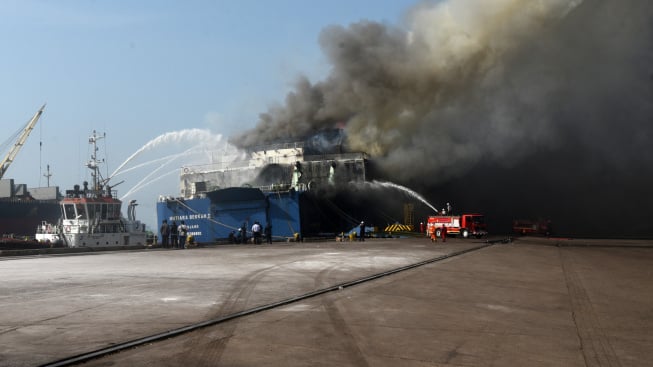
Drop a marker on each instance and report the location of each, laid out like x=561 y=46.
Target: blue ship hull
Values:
x=212 y=217
x=221 y=212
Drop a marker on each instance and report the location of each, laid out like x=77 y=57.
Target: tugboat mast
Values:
x=94 y=164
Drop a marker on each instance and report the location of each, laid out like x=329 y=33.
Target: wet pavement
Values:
x=532 y=302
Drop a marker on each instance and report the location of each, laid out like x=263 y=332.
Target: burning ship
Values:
x=23 y=208
x=304 y=189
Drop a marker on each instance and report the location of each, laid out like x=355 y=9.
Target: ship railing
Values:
x=223 y=167
x=28 y=200
x=213 y=167
x=251 y=163
x=91 y=193
x=337 y=157
x=275 y=188
x=277 y=146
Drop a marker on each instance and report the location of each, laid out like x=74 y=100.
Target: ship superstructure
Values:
x=275 y=167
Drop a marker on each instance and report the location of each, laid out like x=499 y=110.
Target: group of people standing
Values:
x=443 y=234
x=258 y=232
x=173 y=235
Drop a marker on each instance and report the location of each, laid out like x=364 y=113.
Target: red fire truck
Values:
x=465 y=225
x=532 y=227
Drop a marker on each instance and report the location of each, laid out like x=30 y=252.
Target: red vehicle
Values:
x=465 y=225
x=530 y=227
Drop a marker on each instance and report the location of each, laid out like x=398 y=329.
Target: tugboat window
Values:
x=69 y=210
x=114 y=211
x=91 y=211
x=81 y=211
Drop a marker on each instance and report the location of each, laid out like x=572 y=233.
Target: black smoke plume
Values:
x=516 y=108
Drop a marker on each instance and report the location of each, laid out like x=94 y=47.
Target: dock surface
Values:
x=531 y=302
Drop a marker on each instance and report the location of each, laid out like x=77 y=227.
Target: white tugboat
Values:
x=91 y=216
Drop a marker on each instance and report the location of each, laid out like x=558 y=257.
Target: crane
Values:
x=6 y=162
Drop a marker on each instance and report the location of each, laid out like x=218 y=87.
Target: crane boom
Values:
x=6 y=162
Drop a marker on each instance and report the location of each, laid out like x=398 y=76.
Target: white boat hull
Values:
x=105 y=239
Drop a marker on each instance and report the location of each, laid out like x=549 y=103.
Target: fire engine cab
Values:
x=465 y=225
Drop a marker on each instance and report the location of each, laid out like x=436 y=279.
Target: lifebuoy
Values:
x=185 y=169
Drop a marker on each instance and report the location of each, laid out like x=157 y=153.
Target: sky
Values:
x=136 y=70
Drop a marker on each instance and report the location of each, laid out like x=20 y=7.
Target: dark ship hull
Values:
x=20 y=218
x=21 y=208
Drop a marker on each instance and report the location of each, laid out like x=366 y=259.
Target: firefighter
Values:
x=434 y=238
x=243 y=233
x=165 y=233
x=443 y=233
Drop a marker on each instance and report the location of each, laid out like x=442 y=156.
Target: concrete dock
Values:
x=532 y=302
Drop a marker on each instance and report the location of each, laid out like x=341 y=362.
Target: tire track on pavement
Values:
x=595 y=344
x=348 y=341
x=235 y=301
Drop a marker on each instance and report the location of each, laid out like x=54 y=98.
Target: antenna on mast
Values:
x=47 y=175
x=94 y=164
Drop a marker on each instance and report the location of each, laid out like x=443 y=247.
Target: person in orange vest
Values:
x=443 y=232
x=432 y=232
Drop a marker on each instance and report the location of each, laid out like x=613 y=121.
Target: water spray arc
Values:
x=142 y=184
x=406 y=190
x=190 y=144
x=201 y=141
x=198 y=137
x=168 y=160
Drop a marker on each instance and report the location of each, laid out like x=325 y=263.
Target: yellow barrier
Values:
x=399 y=228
